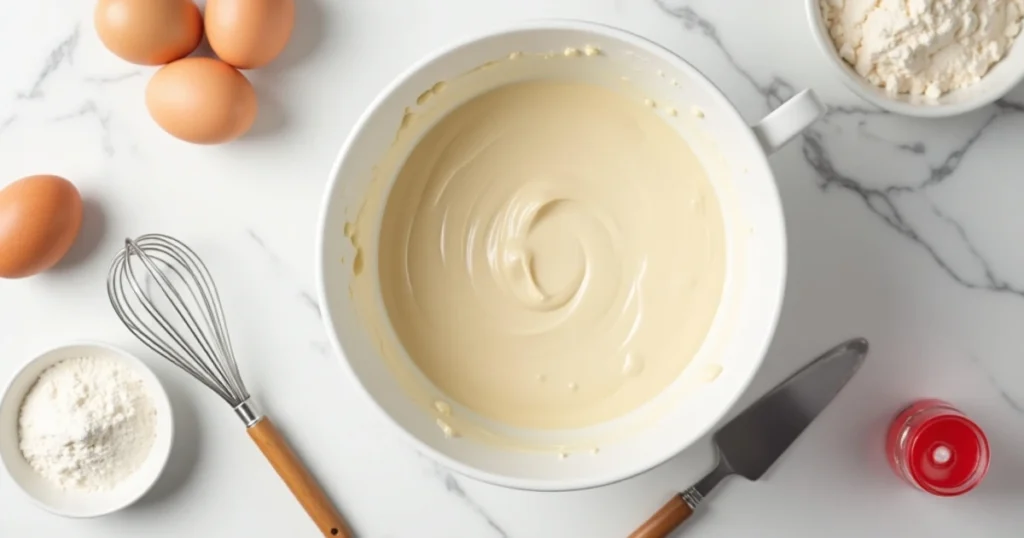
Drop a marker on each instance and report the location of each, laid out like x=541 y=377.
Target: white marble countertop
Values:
x=907 y=232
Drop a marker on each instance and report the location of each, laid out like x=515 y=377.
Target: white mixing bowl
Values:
x=734 y=155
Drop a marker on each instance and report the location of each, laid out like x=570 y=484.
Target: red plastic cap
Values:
x=947 y=455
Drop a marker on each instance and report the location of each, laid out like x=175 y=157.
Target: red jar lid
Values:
x=946 y=454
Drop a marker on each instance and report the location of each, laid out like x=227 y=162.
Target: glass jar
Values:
x=937 y=449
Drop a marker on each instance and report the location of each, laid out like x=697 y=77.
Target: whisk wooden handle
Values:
x=299 y=481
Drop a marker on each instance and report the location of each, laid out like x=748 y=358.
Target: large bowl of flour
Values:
x=553 y=255
x=928 y=59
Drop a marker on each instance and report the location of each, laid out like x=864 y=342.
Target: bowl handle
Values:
x=786 y=121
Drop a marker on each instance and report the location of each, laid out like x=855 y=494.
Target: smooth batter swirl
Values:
x=551 y=255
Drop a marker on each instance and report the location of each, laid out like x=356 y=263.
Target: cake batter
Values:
x=551 y=254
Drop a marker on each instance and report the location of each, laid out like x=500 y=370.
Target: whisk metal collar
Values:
x=249 y=412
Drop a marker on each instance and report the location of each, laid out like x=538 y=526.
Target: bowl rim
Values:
x=531 y=484
x=164 y=427
x=875 y=96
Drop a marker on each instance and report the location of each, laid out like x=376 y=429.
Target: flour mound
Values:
x=87 y=424
x=922 y=47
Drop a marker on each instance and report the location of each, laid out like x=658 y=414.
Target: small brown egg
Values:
x=249 y=33
x=39 y=220
x=149 y=32
x=201 y=100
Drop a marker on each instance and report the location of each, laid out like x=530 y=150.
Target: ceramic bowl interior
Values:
x=738 y=169
x=72 y=503
x=1001 y=78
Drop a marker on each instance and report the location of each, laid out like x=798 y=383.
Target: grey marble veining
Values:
x=884 y=200
x=451 y=485
x=305 y=297
x=62 y=55
x=90 y=109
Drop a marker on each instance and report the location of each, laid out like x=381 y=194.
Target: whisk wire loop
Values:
x=123 y=307
x=158 y=268
x=190 y=329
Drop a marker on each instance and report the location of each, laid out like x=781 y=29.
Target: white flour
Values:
x=922 y=47
x=87 y=424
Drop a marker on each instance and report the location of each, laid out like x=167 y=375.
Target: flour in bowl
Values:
x=87 y=423
x=922 y=47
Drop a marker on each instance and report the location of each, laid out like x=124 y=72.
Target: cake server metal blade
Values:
x=750 y=443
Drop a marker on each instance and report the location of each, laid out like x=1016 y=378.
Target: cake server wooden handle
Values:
x=664 y=521
x=299 y=481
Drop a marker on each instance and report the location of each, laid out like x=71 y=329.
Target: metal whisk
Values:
x=166 y=297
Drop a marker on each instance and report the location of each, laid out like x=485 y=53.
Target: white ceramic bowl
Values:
x=734 y=155
x=1002 y=78
x=72 y=503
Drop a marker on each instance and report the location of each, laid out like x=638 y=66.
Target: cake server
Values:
x=750 y=443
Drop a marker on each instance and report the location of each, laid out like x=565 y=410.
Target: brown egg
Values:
x=249 y=33
x=201 y=100
x=149 y=32
x=39 y=220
